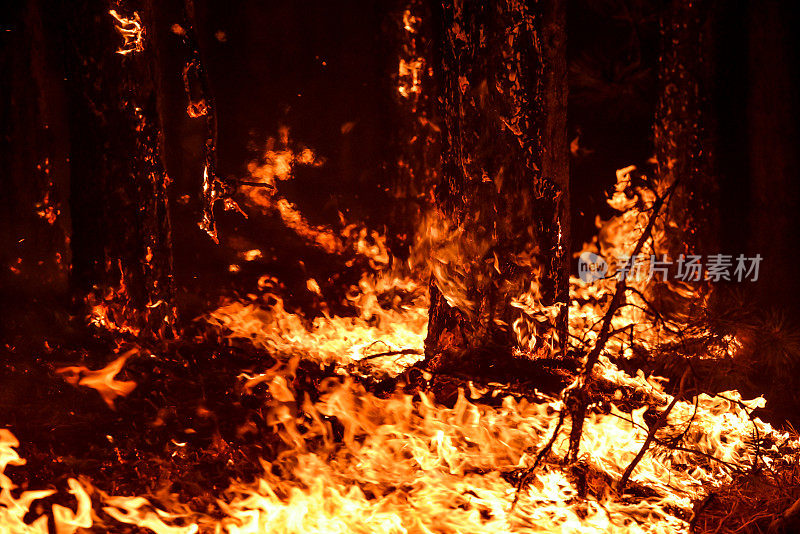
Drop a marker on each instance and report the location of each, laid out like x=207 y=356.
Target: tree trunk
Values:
x=118 y=193
x=500 y=285
x=416 y=137
x=34 y=212
x=684 y=130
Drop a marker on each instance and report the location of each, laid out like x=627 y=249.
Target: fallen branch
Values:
x=651 y=435
x=391 y=353
x=580 y=403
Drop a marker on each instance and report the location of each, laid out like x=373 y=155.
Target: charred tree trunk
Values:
x=684 y=129
x=503 y=189
x=118 y=193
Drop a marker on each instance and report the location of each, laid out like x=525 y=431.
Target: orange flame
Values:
x=102 y=380
x=131 y=30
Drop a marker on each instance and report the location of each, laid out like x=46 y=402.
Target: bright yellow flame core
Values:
x=408 y=464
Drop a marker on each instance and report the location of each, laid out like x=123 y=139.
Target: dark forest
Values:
x=402 y=266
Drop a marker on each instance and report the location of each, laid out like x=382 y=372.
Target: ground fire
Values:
x=411 y=266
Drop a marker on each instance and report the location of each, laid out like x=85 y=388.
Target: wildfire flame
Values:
x=353 y=461
x=409 y=464
x=131 y=30
x=102 y=380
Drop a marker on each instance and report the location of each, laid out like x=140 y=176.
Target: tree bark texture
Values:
x=501 y=77
x=118 y=191
x=684 y=127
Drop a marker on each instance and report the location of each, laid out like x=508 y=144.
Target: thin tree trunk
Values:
x=34 y=214
x=773 y=112
x=416 y=137
x=504 y=184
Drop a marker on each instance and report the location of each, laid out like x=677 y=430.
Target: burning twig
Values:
x=201 y=104
x=527 y=475
x=756 y=433
x=131 y=29
x=255 y=184
x=392 y=353
x=671 y=445
x=577 y=392
x=651 y=435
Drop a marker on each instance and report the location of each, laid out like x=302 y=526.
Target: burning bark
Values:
x=504 y=181
x=417 y=137
x=684 y=128
x=201 y=104
x=119 y=188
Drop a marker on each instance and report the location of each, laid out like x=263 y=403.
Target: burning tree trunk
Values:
x=683 y=128
x=501 y=285
x=416 y=136
x=120 y=217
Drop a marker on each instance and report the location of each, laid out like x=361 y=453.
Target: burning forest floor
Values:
x=220 y=436
x=257 y=418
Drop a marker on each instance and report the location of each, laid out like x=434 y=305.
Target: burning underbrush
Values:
x=260 y=419
x=336 y=457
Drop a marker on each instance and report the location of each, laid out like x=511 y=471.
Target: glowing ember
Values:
x=131 y=30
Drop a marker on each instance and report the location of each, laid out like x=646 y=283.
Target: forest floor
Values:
x=189 y=427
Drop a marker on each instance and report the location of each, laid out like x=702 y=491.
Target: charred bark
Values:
x=684 y=133
x=118 y=193
x=503 y=189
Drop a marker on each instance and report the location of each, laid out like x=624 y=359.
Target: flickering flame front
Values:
x=408 y=464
